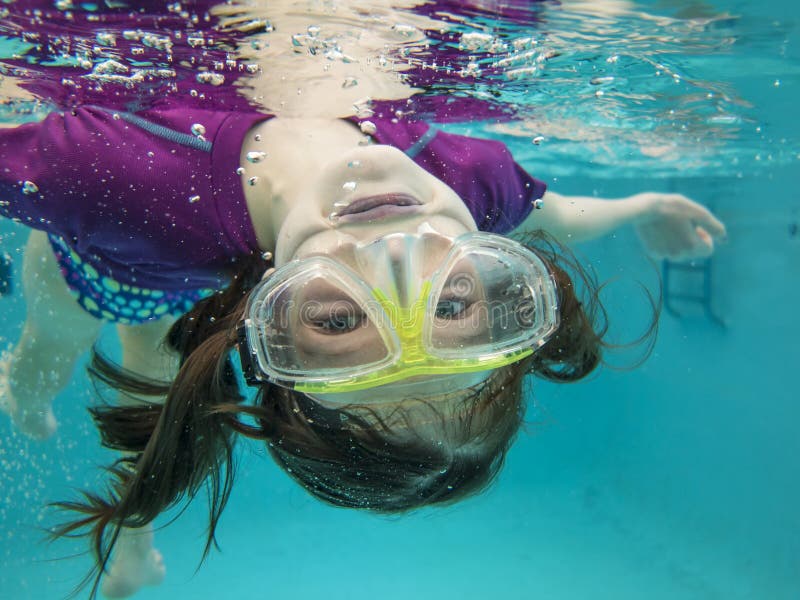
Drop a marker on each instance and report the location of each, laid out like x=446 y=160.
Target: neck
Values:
x=294 y=148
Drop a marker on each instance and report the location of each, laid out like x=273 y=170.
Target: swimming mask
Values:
x=397 y=307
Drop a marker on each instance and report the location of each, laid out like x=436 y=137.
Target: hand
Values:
x=674 y=227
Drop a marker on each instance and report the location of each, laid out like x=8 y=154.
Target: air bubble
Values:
x=404 y=30
x=106 y=39
x=538 y=139
x=198 y=129
x=109 y=67
x=349 y=186
x=252 y=181
x=210 y=78
x=363 y=108
x=193 y=199
x=158 y=42
x=349 y=82
x=28 y=187
x=368 y=127
x=256 y=156
x=195 y=40
x=471 y=70
x=475 y=41
x=240 y=171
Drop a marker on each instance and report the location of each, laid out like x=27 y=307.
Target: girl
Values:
x=361 y=270
x=374 y=300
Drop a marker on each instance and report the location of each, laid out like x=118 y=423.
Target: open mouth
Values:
x=378 y=206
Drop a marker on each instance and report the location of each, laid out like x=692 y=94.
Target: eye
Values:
x=451 y=308
x=338 y=324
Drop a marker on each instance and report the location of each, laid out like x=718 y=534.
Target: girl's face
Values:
x=365 y=194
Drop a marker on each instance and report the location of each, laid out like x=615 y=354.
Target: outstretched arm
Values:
x=669 y=225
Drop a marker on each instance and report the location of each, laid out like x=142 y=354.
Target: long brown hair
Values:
x=349 y=457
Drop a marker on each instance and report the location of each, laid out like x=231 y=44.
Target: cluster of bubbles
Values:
x=592 y=84
x=70 y=53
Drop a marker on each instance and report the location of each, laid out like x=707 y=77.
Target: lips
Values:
x=371 y=203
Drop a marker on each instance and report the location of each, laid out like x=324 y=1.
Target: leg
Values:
x=136 y=562
x=56 y=332
x=143 y=351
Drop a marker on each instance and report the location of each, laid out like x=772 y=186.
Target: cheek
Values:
x=301 y=224
x=449 y=203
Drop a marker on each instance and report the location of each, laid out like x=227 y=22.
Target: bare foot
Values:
x=135 y=564
x=36 y=421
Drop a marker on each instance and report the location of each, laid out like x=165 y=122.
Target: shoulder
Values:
x=483 y=172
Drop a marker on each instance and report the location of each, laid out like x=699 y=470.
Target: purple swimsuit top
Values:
x=152 y=200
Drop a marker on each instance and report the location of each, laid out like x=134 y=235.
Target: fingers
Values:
x=681 y=242
x=710 y=224
x=703 y=218
x=704 y=246
x=679 y=229
x=695 y=244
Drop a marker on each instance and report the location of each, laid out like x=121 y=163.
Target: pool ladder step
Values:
x=695 y=275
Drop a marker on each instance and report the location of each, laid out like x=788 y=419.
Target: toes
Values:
x=117 y=587
x=127 y=575
x=155 y=571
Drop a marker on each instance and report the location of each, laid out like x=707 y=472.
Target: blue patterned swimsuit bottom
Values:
x=107 y=299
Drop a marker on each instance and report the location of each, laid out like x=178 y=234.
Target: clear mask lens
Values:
x=402 y=305
x=318 y=323
x=489 y=301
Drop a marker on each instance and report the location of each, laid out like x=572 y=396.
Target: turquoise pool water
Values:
x=675 y=480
